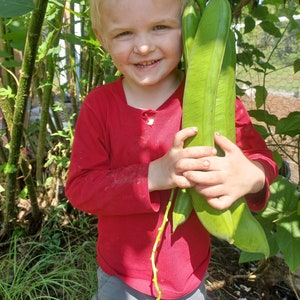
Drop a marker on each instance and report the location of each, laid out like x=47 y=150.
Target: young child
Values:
x=128 y=154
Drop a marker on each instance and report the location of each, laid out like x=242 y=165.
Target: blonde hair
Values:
x=95 y=7
x=95 y=12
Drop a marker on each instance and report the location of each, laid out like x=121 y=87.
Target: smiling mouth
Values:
x=147 y=63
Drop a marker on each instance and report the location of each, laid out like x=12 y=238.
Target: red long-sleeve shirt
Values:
x=114 y=144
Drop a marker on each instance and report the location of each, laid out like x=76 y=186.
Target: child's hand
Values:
x=167 y=171
x=227 y=178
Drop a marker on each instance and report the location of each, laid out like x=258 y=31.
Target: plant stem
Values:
x=156 y=244
x=30 y=52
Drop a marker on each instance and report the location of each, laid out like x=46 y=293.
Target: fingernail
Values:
x=217 y=133
x=195 y=129
x=214 y=151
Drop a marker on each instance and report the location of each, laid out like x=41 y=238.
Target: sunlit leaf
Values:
x=288 y=239
x=283 y=200
x=8 y=169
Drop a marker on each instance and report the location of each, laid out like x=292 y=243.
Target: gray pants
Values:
x=112 y=288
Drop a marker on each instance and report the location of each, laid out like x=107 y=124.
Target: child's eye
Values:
x=160 y=27
x=123 y=34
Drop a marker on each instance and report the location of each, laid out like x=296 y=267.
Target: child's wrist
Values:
x=260 y=178
x=153 y=177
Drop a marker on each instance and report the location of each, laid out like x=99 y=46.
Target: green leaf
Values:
x=270 y=28
x=280 y=219
x=288 y=239
x=283 y=200
x=266 y=65
x=15 y=8
x=9 y=169
x=6 y=92
x=268 y=226
x=289 y=125
x=297 y=65
x=5 y=54
x=11 y=64
x=245 y=58
x=261 y=95
x=24 y=193
x=249 y=24
x=261 y=130
x=248 y=256
x=182 y=208
x=260 y=12
x=278 y=159
x=17 y=37
x=264 y=116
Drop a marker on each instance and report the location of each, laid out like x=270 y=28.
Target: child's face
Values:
x=143 y=38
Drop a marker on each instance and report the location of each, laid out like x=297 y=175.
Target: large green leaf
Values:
x=283 y=201
x=283 y=213
x=281 y=223
x=288 y=239
x=268 y=226
x=289 y=125
x=15 y=8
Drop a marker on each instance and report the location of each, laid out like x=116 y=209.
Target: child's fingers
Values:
x=182 y=135
x=224 y=143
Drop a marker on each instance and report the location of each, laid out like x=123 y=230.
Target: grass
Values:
x=59 y=263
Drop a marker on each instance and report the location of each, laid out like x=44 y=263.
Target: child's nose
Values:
x=143 y=45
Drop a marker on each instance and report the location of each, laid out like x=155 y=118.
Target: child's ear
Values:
x=99 y=37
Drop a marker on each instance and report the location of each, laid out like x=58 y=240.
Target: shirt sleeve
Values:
x=92 y=186
x=254 y=147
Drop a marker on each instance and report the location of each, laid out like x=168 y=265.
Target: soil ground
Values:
x=227 y=278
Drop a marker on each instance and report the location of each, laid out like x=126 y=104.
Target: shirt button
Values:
x=148 y=116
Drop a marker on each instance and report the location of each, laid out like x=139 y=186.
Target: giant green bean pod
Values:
x=226 y=96
x=200 y=94
x=182 y=208
x=190 y=21
x=209 y=104
x=201 y=4
x=248 y=234
x=203 y=71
